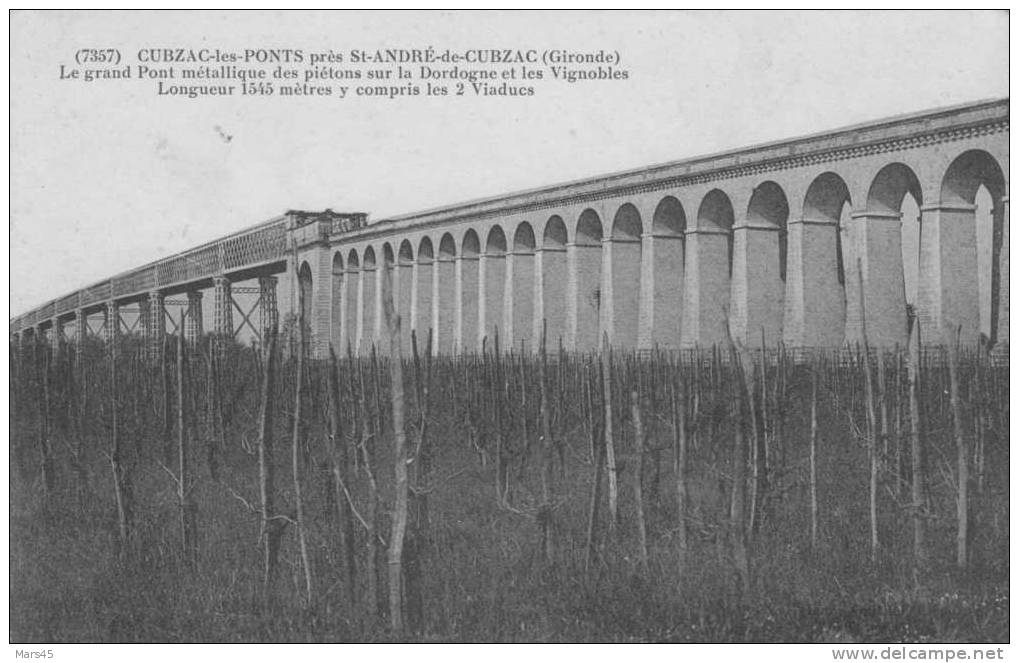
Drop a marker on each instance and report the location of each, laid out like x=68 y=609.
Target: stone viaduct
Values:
x=774 y=242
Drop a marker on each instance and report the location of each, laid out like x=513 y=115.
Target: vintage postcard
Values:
x=510 y=326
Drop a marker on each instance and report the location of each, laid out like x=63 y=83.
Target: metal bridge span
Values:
x=799 y=240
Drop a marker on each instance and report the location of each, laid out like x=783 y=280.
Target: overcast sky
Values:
x=108 y=176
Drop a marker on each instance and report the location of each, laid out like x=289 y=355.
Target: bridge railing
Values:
x=67 y=303
x=140 y=280
x=347 y=223
x=24 y=320
x=262 y=245
x=190 y=266
x=101 y=292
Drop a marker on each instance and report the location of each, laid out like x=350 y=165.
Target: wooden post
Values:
x=185 y=505
x=547 y=450
x=121 y=492
x=377 y=604
x=610 y=446
x=679 y=425
x=271 y=528
x=916 y=444
x=962 y=462
x=813 y=457
x=871 y=419
x=737 y=517
x=401 y=484
x=598 y=450
x=638 y=478
x=341 y=473
x=295 y=455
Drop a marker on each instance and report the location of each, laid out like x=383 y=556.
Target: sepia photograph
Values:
x=492 y=327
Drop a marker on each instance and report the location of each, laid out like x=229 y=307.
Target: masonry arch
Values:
x=759 y=267
x=369 y=300
x=663 y=272
x=626 y=224
x=715 y=211
x=426 y=252
x=446 y=296
x=523 y=237
x=715 y=216
x=470 y=250
x=494 y=277
x=828 y=201
x=588 y=266
x=554 y=275
x=403 y=284
x=895 y=191
x=708 y=274
x=387 y=268
x=769 y=208
x=826 y=198
x=888 y=257
x=305 y=289
x=471 y=245
x=496 y=242
x=554 y=235
x=820 y=253
x=406 y=254
x=890 y=187
x=424 y=291
x=589 y=228
x=352 y=314
x=967 y=173
x=447 y=247
x=522 y=274
x=972 y=191
x=623 y=296
x=337 y=304
x=669 y=219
